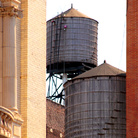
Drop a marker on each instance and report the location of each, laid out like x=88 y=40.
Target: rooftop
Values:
x=102 y=70
x=72 y=13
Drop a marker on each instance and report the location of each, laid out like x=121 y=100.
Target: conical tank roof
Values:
x=72 y=13
x=102 y=70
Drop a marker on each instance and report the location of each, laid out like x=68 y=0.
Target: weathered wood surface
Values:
x=96 y=107
x=76 y=43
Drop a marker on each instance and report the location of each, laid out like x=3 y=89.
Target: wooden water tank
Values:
x=95 y=104
x=71 y=42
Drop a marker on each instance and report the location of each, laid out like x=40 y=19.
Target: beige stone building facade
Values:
x=22 y=68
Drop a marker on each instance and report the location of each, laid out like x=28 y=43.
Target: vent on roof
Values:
x=71 y=5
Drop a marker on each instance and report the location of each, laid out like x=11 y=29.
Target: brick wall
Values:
x=55 y=120
x=24 y=64
x=132 y=69
x=0 y=60
x=33 y=68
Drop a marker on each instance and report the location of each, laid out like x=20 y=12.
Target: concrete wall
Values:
x=55 y=120
x=132 y=68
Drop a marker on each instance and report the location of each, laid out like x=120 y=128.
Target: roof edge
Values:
x=65 y=12
x=119 y=75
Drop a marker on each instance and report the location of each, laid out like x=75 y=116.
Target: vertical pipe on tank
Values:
x=9 y=63
x=64 y=79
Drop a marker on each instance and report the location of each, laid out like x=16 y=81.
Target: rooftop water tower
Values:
x=71 y=47
x=95 y=104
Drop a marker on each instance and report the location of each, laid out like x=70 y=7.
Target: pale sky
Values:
x=111 y=15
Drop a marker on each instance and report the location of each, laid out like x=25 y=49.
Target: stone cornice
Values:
x=9 y=120
x=14 y=116
x=17 y=118
x=11 y=11
x=8 y=3
x=11 y=8
x=7 y=111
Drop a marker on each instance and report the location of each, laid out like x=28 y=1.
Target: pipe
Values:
x=64 y=79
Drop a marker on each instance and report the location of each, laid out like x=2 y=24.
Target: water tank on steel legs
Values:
x=71 y=42
x=95 y=104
